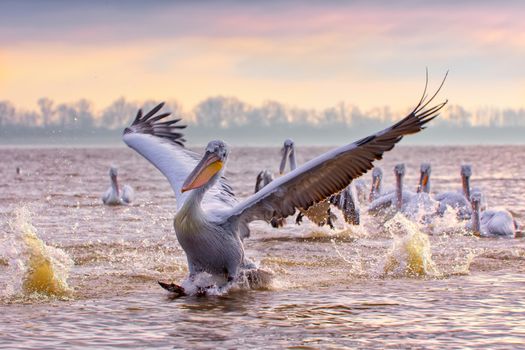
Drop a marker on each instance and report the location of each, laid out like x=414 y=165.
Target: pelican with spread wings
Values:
x=211 y=222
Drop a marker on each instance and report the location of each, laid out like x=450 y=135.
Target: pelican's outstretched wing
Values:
x=162 y=143
x=331 y=172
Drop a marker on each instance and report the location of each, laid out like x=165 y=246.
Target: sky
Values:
x=311 y=54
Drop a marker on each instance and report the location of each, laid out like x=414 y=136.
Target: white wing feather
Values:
x=161 y=143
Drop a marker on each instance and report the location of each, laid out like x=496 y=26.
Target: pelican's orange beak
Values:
x=425 y=180
x=209 y=165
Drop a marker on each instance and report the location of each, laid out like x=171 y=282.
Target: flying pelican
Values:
x=113 y=195
x=211 y=223
x=491 y=222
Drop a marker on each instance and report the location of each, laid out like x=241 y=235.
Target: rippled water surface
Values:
x=75 y=273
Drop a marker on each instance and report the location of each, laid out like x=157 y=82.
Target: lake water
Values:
x=76 y=273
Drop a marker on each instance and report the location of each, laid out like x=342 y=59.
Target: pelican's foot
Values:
x=299 y=219
x=277 y=223
x=173 y=288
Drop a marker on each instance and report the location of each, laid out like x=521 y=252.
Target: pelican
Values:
x=113 y=195
x=458 y=200
x=345 y=201
x=376 y=190
x=424 y=179
x=210 y=222
x=489 y=223
x=263 y=179
x=396 y=200
x=319 y=213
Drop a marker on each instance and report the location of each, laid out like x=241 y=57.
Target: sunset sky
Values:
x=308 y=54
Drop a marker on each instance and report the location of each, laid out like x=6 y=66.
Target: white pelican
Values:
x=265 y=176
x=210 y=222
x=113 y=195
x=489 y=223
x=376 y=189
x=458 y=200
x=263 y=179
x=424 y=179
x=345 y=201
x=319 y=213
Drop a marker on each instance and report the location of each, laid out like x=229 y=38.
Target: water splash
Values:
x=256 y=278
x=411 y=253
x=33 y=266
x=448 y=224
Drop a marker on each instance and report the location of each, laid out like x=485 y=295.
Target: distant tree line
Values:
x=230 y=113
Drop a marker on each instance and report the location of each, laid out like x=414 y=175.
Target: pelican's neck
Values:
x=376 y=188
x=192 y=205
x=293 y=165
x=114 y=184
x=476 y=220
x=466 y=187
x=399 y=191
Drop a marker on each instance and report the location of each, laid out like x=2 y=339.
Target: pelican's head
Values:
x=476 y=199
x=210 y=166
x=287 y=151
x=377 y=176
x=399 y=170
x=466 y=170
x=113 y=172
x=424 y=184
x=377 y=172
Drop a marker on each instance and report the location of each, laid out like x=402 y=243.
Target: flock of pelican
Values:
x=468 y=204
x=211 y=223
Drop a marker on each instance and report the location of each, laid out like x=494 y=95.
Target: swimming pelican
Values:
x=113 y=195
x=396 y=200
x=263 y=178
x=458 y=200
x=345 y=201
x=491 y=222
x=376 y=190
x=319 y=213
x=211 y=223
x=424 y=179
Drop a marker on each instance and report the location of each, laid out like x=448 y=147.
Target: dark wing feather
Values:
x=150 y=124
x=331 y=172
